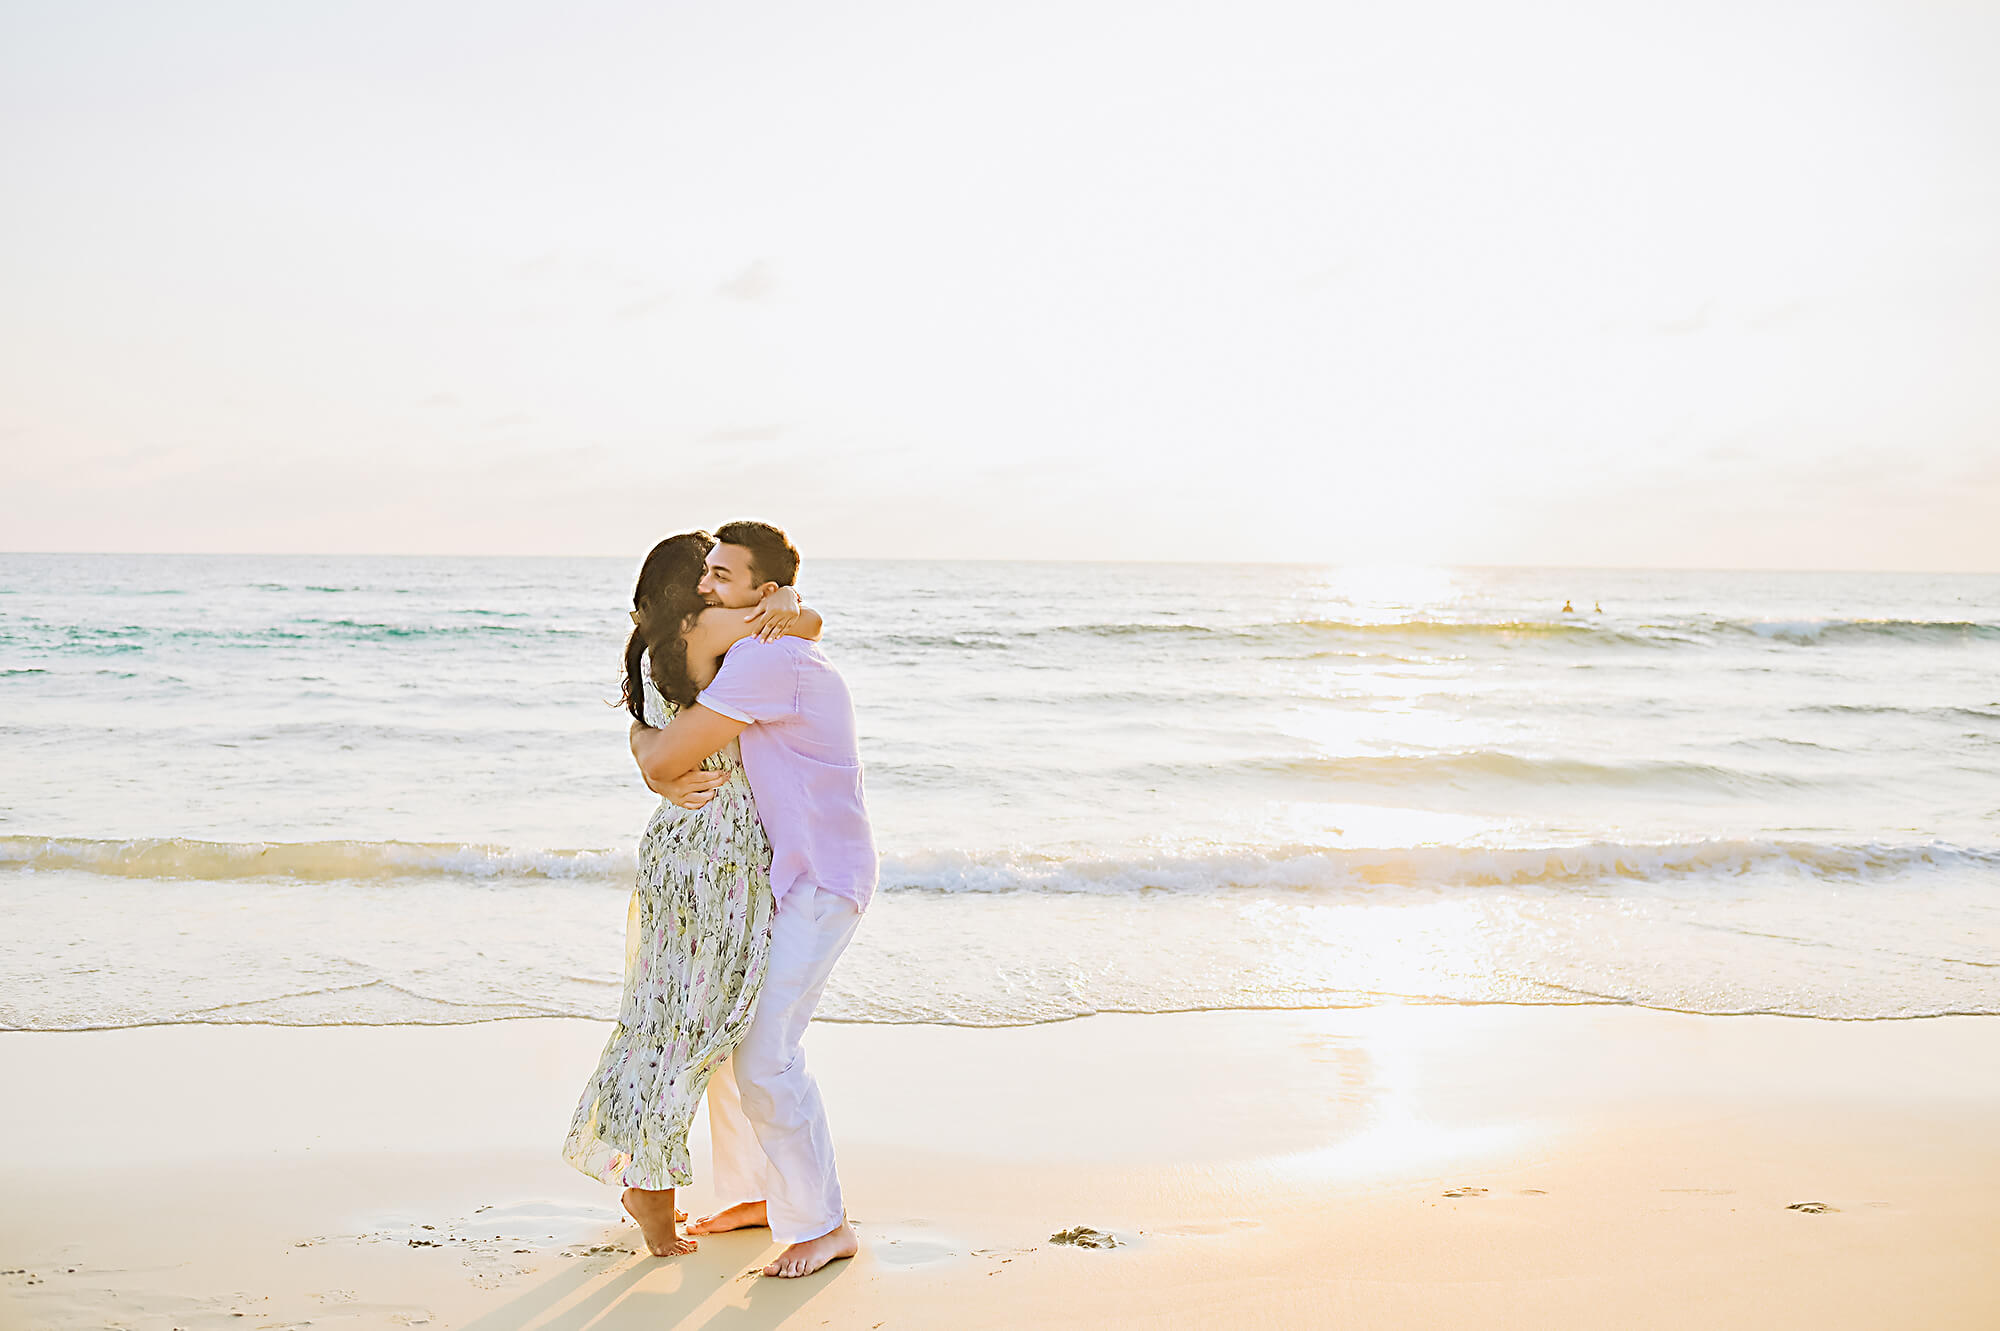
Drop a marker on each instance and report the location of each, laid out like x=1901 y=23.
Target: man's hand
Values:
x=691 y=790
x=775 y=613
x=667 y=756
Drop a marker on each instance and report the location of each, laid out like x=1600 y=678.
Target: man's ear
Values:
x=766 y=589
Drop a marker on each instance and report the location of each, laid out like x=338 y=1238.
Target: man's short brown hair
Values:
x=772 y=557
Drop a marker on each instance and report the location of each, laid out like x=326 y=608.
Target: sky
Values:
x=1676 y=284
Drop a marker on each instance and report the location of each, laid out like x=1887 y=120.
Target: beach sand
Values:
x=1382 y=1167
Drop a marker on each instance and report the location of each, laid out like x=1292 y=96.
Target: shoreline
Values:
x=1527 y=1165
x=1395 y=1001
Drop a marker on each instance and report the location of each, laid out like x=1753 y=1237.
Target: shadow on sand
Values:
x=716 y=1287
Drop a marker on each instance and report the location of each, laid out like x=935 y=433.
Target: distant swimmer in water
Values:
x=1568 y=609
x=1597 y=606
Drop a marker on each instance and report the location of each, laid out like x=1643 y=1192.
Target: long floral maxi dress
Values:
x=697 y=938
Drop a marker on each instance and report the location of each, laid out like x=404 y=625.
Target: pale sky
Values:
x=1679 y=284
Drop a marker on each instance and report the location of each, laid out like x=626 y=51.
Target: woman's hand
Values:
x=690 y=790
x=774 y=614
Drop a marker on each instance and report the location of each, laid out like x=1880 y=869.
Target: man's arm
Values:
x=693 y=735
x=757 y=682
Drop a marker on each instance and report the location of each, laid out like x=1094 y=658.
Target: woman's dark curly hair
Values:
x=664 y=604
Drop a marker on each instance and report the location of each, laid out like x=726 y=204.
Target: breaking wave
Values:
x=1578 y=630
x=1471 y=766
x=1293 y=867
x=1809 y=631
x=181 y=857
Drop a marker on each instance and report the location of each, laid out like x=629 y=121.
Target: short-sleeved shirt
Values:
x=803 y=764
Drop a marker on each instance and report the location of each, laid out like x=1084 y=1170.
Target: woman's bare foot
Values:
x=802 y=1259
x=654 y=1210
x=743 y=1215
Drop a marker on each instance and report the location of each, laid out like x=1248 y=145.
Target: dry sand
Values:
x=1384 y=1167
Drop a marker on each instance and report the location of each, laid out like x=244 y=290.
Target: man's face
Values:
x=729 y=579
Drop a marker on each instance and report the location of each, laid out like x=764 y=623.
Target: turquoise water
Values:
x=391 y=789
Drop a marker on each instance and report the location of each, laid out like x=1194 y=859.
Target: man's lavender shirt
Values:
x=803 y=764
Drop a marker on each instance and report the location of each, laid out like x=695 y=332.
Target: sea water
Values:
x=339 y=789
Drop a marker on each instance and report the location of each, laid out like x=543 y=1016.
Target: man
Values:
x=773 y=1153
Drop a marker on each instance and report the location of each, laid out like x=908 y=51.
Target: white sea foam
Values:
x=349 y=861
x=1282 y=867
x=1307 y=868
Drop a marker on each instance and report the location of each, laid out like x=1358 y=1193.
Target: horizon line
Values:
x=963 y=559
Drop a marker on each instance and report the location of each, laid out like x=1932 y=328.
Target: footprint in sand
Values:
x=1811 y=1208
x=988 y=1254
x=490 y=1277
x=905 y=1253
x=1465 y=1192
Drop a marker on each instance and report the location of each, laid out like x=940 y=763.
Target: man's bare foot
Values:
x=654 y=1210
x=743 y=1215
x=802 y=1259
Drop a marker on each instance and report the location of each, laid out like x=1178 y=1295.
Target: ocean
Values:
x=319 y=790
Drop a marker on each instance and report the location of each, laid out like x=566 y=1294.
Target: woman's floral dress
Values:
x=697 y=937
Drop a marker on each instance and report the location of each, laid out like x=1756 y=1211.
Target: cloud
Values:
x=440 y=400
x=646 y=305
x=743 y=434
x=757 y=282
x=1776 y=315
x=1692 y=323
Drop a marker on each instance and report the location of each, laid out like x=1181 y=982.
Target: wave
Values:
x=1296 y=867
x=1171 y=628
x=1448 y=628
x=182 y=857
x=1990 y=712
x=975 y=639
x=1300 y=638
x=1496 y=765
x=483 y=625
x=1809 y=631
x=1583 y=631
x=1444 y=629
x=1317 y=867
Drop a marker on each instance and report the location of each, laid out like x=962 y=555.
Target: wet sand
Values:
x=1392 y=1167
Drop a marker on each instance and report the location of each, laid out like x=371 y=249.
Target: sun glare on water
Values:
x=1378 y=687
x=1386 y=593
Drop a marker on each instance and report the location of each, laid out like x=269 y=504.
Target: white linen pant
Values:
x=765 y=1118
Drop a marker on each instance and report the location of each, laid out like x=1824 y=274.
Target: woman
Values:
x=698 y=931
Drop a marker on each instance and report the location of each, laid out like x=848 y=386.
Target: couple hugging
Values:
x=753 y=874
